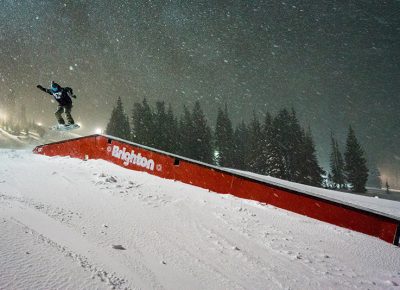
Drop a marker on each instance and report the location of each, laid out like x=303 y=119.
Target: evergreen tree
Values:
x=172 y=132
x=374 y=178
x=254 y=152
x=201 y=136
x=144 y=130
x=356 y=165
x=336 y=165
x=290 y=149
x=296 y=147
x=118 y=125
x=241 y=138
x=270 y=152
x=310 y=171
x=148 y=129
x=161 y=126
x=224 y=142
x=137 y=121
x=186 y=128
x=281 y=127
x=166 y=129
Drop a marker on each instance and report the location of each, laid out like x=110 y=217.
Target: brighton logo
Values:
x=131 y=157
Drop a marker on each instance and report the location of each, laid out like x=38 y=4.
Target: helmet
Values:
x=55 y=87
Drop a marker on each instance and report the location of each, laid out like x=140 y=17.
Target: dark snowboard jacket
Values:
x=62 y=96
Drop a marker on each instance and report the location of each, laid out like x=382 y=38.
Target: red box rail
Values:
x=141 y=158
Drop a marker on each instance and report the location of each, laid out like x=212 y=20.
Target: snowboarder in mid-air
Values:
x=63 y=97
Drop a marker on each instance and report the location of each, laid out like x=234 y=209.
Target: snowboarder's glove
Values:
x=74 y=96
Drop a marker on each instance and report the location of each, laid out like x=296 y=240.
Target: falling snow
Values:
x=307 y=55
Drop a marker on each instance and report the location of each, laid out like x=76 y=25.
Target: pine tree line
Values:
x=278 y=146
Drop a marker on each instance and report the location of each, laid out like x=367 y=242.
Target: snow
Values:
x=31 y=140
x=388 y=208
x=72 y=224
x=7 y=139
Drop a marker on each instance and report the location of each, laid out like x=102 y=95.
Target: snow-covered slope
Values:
x=388 y=208
x=31 y=140
x=60 y=217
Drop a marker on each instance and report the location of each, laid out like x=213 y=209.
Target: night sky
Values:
x=335 y=62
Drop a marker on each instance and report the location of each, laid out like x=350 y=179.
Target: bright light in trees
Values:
x=3 y=116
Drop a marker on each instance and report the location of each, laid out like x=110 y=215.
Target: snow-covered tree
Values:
x=270 y=150
x=336 y=165
x=144 y=131
x=201 y=148
x=288 y=136
x=118 y=124
x=160 y=126
x=224 y=142
x=172 y=131
x=185 y=143
x=254 y=157
x=241 y=137
x=356 y=164
x=295 y=148
x=310 y=171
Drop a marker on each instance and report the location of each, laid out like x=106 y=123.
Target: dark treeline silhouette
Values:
x=277 y=146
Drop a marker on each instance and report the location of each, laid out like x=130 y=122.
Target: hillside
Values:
x=32 y=139
x=73 y=224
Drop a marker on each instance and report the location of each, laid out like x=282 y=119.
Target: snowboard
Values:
x=60 y=127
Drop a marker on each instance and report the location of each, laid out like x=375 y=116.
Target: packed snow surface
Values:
x=72 y=224
x=23 y=140
x=387 y=208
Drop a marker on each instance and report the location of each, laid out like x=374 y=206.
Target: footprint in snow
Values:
x=118 y=247
x=111 y=179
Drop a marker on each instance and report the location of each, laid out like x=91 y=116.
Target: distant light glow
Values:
x=3 y=116
x=39 y=124
x=99 y=131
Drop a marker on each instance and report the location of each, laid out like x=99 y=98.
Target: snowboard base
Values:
x=60 y=127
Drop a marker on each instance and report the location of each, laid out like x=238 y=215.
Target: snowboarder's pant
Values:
x=67 y=110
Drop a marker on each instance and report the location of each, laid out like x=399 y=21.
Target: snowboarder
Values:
x=63 y=97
